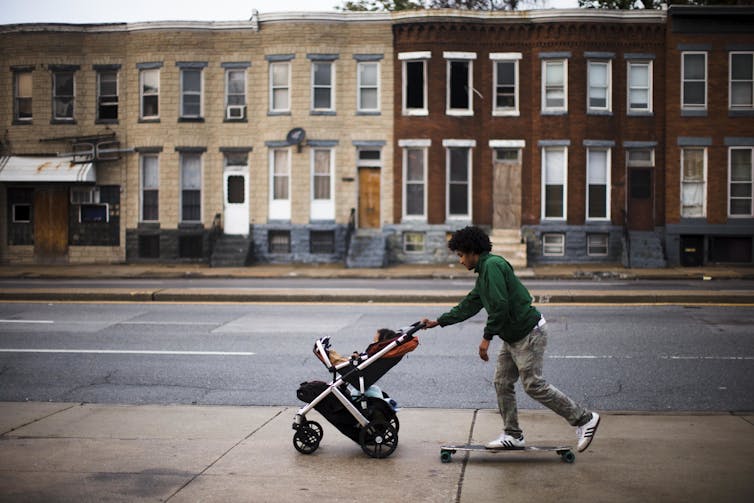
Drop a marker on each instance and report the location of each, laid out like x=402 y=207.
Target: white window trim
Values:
x=201 y=189
x=502 y=57
x=467 y=144
x=312 y=86
x=360 y=87
x=545 y=108
x=684 y=106
x=559 y=237
x=608 y=184
x=454 y=57
x=415 y=111
x=201 y=93
x=751 y=167
x=272 y=88
x=142 y=188
x=425 y=153
x=591 y=236
x=650 y=76
x=280 y=209
x=243 y=71
x=99 y=90
x=142 y=73
x=565 y=184
x=730 y=82
x=507 y=143
x=704 y=182
x=322 y=209
x=609 y=99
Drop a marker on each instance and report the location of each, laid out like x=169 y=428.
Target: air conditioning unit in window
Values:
x=236 y=111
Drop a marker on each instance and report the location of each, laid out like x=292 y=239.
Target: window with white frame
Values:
x=149 y=86
x=235 y=93
x=63 y=95
x=191 y=187
x=598 y=183
x=191 y=93
x=553 y=244
x=639 y=87
x=460 y=82
x=599 y=77
x=694 y=81
x=107 y=95
x=323 y=89
x=693 y=181
x=280 y=86
x=554 y=85
x=414 y=75
x=596 y=245
x=505 y=87
x=414 y=181
x=458 y=176
x=323 y=204
x=413 y=242
x=554 y=177
x=741 y=81
x=368 y=83
x=280 y=184
x=741 y=182
x=150 y=188
x=22 y=95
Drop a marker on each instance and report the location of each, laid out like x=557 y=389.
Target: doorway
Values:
x=640 y=199
x=236 y=202
x=51 y=225
x=369 y=198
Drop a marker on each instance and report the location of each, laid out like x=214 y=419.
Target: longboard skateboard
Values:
x=565 y=453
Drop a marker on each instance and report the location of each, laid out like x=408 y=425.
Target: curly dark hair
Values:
x=470 y=239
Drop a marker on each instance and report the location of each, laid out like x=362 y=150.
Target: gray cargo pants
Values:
x=525 y=359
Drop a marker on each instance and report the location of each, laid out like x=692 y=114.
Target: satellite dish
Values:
x=296 y=136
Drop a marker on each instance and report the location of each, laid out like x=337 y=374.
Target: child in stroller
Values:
x=363 y=413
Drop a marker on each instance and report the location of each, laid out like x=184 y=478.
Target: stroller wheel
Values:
x=378 y=439
x=307 y=437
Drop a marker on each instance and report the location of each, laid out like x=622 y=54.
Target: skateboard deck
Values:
x=565 y=452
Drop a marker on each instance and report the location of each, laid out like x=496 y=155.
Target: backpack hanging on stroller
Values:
x=367 y=416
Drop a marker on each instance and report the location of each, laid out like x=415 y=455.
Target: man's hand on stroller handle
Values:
x=429 y=323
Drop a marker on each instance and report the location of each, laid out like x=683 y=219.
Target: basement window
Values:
x=413 y=242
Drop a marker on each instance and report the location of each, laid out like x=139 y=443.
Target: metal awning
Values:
x=45 y=169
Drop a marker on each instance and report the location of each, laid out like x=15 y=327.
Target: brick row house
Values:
x=571 y=135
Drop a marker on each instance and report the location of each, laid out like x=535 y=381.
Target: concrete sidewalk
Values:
x=86 y=452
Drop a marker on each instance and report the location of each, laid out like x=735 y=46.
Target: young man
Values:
x=510 y=316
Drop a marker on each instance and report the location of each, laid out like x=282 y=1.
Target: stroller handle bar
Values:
x=412 y=329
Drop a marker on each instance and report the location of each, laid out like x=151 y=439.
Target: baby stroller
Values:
x=367 y=416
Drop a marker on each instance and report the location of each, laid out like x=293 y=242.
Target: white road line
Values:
x=129 y=352
x=26 y=321
x=664 y=357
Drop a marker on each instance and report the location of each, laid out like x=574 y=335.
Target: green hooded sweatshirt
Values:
x=507 y=302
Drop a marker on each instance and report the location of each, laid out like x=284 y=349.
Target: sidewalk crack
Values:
x=466 y=458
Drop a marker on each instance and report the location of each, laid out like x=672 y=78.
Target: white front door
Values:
x=236 y=200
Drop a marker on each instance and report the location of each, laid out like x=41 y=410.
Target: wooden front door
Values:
x=369 y=198
x=50 y=224
x=506 y=195
x=640 y=199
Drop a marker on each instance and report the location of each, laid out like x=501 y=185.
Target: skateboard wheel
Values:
x=568 y=457
x=446 y=456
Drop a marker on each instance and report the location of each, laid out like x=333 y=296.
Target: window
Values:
x=554 y=85
x=280 y=86
x=22 y=93
x=190 y=246
x=507 y=155
x=21 y=213
x=368 y=82
x=280 y=183
x=596 y=245
x=414 y=82
x=322 y=242
x=322 y=86
x=279 y=241
x=742 y=81
x=505 y=83
x=694 y=81
x=598 y=183
x=63 y=95
x=191 y=93
x=554 y=176
x=235 y=94
x=459 y=182
x=414 y=176
x=89 y=213
x=460 y=86
x=323 y=207
x=639 y=86
x=413 y=242
x=107 y=95
x=191 y=187
x=553 y=245
x=150 y=93
x=149 y=246
x=150 y=183
x=741 y=182
x=600 y=82
x=693 y=182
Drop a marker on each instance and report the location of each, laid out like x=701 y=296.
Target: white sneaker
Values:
x=505 y=441
x=586 y=432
